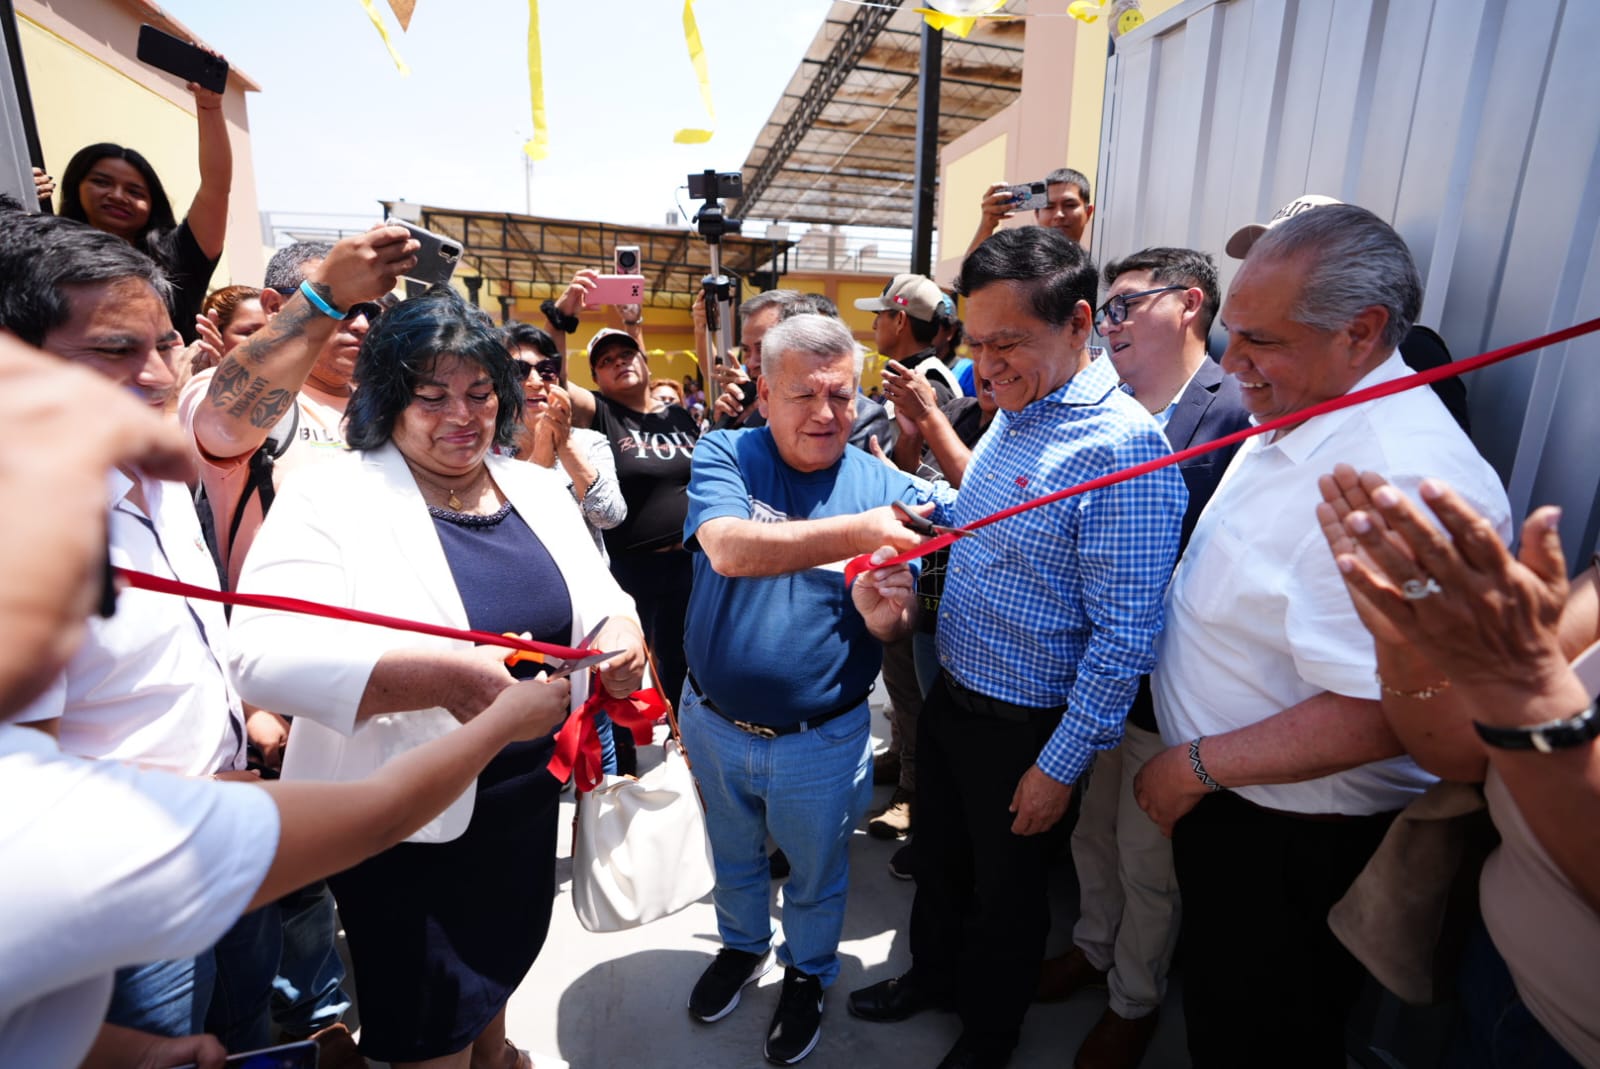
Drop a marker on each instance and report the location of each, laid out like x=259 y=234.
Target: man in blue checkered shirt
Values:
x=1048 y=620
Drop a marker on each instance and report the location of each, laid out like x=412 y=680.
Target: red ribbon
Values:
x=577 y=752
x=142 y=581
x=578 y=741
x=864 y=563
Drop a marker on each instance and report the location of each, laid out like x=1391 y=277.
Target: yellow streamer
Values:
x=377 y=21
x=697 y=58
x=537 y=147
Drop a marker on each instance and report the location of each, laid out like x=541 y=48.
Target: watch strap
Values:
x=1548 y=737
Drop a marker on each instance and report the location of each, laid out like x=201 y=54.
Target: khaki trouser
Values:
x=1129 y=905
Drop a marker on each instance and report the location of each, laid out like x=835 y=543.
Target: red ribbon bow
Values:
x=577 y=752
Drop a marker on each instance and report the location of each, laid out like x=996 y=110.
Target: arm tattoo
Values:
x=227 y=384
x=271 y=408
x=260 y=398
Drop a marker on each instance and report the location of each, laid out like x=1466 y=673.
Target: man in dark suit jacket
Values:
x=1159 y=308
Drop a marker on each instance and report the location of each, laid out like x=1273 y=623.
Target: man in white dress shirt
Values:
x=1282 y=775
x=147 y=687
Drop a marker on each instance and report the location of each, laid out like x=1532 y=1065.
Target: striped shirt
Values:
x=1062 y=605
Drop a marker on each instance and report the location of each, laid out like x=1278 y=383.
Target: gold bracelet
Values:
x=1420 y=695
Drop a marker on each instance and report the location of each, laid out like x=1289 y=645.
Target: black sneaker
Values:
x=797 y=1024
x=902 y=866
x=716 y=993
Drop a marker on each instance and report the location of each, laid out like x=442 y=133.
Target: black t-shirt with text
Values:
x=654 y=452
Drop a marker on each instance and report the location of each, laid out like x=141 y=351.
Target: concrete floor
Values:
x=618 y=999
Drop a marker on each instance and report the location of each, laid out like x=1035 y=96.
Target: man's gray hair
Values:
x=1354 y=260
x=784 y=300
x=287 y=268
x=810 y=335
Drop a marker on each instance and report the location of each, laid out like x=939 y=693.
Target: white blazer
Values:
x=356 y=532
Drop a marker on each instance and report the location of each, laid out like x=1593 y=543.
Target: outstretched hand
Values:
x=1489 y=620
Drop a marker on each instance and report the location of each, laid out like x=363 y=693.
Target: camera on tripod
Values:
x=710 y=222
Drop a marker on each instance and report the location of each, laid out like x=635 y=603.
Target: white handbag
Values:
x=639 y=847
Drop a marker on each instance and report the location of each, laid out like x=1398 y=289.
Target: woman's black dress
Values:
x=441 y=934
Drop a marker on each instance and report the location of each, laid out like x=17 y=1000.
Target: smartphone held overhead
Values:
x=615 y=289
x=178 y=57
x=436 y=259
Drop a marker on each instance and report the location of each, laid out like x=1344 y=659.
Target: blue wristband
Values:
x=318 y=303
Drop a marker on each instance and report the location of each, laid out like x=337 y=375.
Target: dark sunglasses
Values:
x=548 y=369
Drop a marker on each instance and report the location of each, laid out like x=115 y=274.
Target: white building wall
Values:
x=1473 y=126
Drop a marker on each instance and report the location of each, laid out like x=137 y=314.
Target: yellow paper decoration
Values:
x=697 y=59
x=538 y=146
x=377 y=21
x=961 y=24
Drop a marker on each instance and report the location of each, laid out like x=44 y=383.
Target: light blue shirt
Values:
x=1061 y=605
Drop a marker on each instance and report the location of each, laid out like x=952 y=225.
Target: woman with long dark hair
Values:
x=113 y=188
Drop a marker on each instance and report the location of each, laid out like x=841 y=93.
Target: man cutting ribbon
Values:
x=782 y=656
x=1046 y=625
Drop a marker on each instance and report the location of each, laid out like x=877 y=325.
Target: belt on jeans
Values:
x=995 y=708
x=767 y=731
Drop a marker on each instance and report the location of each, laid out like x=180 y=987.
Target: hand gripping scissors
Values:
x=924 y=526
x=560 y=669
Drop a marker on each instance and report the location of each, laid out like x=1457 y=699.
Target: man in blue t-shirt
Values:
x=781 y=658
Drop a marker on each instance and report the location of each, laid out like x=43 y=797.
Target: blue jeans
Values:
x=246 y=960
x=604 y=728
x=307 y=992
x=1495 y=1029
x=164 y=998
x=808 y=791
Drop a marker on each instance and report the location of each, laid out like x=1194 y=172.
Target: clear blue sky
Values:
x=336 y=128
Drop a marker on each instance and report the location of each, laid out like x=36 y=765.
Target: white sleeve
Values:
x=110 y=866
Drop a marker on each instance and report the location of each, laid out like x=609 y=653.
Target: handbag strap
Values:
x=672 y=709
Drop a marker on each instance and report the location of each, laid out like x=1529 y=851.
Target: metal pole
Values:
x=927 y=150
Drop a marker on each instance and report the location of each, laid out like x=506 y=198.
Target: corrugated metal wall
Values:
x=1471 y=125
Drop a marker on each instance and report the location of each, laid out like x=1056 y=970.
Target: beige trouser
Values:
x=1129 y=906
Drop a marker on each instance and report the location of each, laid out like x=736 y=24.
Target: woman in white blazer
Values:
x=421 y=521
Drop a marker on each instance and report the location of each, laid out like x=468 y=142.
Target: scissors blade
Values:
x=594 y=632
x=582 y=664
x=924 y=526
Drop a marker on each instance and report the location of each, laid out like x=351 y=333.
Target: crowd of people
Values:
x=1236 y=679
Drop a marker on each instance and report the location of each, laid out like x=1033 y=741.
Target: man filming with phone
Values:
x=1067 y=209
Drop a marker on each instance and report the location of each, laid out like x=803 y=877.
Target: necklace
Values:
x=453 y=500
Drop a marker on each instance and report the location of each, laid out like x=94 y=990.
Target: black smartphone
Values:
x=176 y=56
x=302 y=1055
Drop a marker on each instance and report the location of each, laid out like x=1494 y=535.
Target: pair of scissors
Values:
x=924 y=526
x=558 y=668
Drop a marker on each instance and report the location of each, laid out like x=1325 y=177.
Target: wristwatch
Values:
x=1548 y=737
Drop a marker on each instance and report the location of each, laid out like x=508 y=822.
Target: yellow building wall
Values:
x=85 y=91
x=1064 y=67
x=961 y=187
